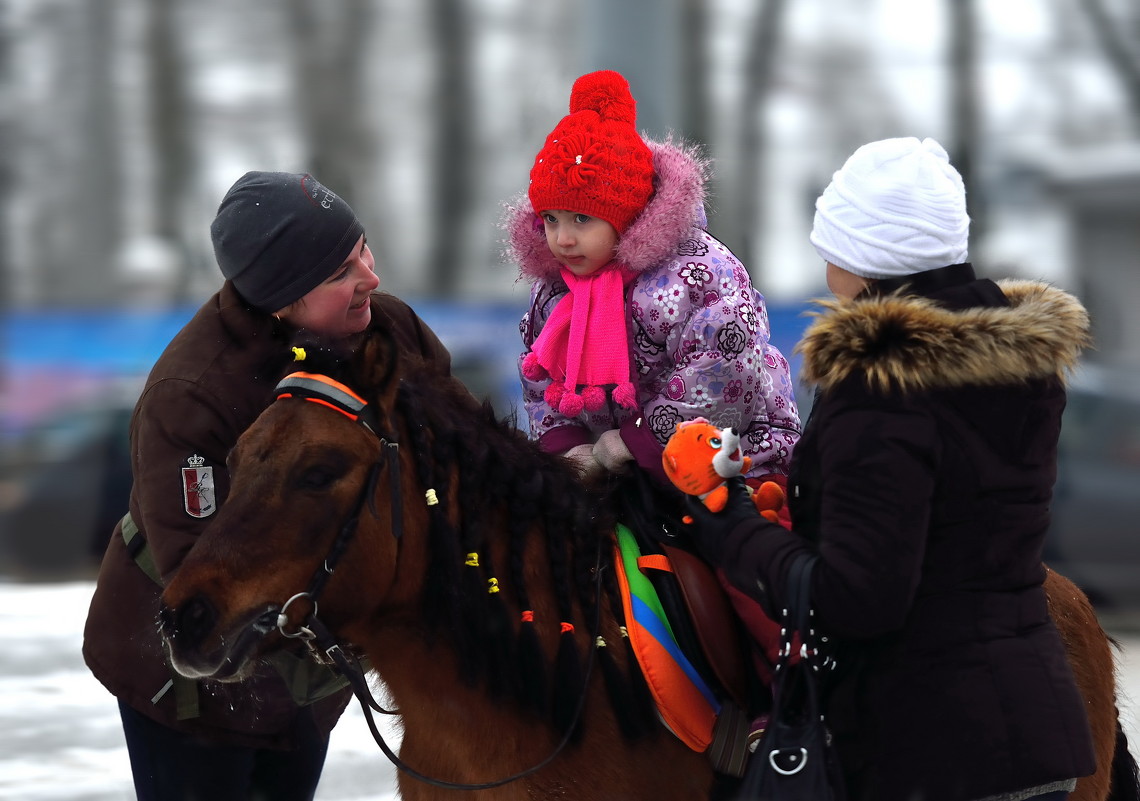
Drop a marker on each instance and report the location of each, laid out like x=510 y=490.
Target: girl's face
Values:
x=581 y=243
x=338 y=307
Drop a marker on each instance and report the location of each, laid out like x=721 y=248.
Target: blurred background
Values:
x=123 y=122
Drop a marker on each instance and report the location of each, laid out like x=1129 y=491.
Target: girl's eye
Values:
x=549 y=219
x=581 y=219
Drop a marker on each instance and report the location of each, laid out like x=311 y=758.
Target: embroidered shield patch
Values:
x=198 y=488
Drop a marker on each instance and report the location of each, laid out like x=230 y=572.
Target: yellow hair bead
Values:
x=492 y=586
x=472 y=560
x=432 y=498
x=299 y=354
x=600 y=642
x=624 y=631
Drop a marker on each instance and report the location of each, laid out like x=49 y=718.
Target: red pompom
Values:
x=571 y=404
x=625 y=395
x=553 y=395
x=594 y=398
x=532 y=369
x=605 y=92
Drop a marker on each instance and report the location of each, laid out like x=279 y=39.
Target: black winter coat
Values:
x=924 y=479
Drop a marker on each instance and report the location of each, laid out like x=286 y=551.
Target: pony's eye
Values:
x=715 y=443
x=317 y=477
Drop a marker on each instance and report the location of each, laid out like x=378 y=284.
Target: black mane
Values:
x=502 y=480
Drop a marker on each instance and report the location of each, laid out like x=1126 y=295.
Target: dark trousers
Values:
x=171 y=766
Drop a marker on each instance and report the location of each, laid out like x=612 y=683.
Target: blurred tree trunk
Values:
x=174 y=162
x=750 y=190
x=1123 y=58
x=455 y=145
x=965 y=102
x=7 y=173
x=80 y=217
x=331 y=52
x=696 y=110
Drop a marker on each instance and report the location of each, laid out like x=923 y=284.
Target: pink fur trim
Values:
x=676 y=208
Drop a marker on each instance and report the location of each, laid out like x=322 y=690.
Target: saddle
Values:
x=688 y=639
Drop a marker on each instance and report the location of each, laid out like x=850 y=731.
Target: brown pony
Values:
x=472 y=570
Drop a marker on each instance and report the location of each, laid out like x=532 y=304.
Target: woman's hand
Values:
x=709 y=528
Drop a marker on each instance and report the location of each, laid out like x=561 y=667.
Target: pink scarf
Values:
x=584 y=342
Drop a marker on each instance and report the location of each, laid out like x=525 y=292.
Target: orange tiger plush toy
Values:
x=700 y=457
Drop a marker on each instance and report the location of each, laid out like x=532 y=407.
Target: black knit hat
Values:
x=278 y=235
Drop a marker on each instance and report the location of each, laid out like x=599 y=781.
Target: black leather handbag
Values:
x=795 y=759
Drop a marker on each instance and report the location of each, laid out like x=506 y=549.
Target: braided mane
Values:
x=495 y=486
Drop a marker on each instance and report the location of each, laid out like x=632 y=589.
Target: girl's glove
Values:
x=611 y=451
x=582 y=458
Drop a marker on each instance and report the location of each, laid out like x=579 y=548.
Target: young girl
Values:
x=639 y=318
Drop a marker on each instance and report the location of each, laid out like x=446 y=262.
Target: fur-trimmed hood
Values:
x=674 y=210
x=908 y=343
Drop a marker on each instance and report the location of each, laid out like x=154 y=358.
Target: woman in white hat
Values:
x=923 y=482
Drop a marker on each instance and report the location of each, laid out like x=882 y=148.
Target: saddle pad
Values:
x=684 y=701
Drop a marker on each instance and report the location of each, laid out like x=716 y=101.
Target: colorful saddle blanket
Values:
x=704 y=713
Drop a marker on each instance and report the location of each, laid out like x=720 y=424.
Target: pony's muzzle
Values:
x=190 y=623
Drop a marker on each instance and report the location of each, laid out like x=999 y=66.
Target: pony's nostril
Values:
x=191 y=621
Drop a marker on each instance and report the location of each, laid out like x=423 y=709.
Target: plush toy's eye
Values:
x=716 y=443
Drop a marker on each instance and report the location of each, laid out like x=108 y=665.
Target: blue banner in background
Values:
x=51 y=358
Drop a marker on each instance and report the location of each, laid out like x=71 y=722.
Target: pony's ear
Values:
x=377 y=367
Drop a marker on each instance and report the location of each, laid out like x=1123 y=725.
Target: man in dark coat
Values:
x=295 y=257
x=923 y=481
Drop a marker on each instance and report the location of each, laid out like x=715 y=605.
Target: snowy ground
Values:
x=59 y=729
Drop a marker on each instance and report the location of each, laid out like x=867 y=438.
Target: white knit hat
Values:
x=897 y=207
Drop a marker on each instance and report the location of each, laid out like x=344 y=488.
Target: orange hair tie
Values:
x=528 y=616
x=567 y=627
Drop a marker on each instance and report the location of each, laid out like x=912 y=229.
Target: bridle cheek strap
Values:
x=334 y=395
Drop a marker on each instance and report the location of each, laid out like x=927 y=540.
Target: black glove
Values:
x=708 y=529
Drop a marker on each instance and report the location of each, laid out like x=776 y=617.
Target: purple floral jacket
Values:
x=698 y=330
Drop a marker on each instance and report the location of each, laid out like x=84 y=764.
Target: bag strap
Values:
x=798 y=616
x=185 y=690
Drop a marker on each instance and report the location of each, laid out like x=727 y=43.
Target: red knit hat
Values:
x=593 y=161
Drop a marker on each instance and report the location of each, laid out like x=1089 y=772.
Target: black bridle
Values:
x=322 y=643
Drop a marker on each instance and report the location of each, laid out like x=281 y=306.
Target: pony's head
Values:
x=380 y=495
x=301 y=480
